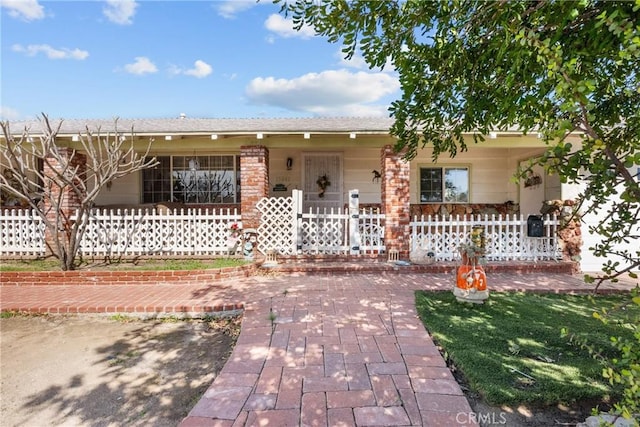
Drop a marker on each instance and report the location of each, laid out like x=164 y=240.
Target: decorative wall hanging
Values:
x=532 y=180
x=323 y=182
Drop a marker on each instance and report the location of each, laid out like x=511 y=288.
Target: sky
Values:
x=159 y=59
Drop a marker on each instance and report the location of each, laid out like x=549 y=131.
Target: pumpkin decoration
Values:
x=471 y=280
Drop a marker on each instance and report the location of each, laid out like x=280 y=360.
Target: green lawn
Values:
x=150 y=264
x=511 y=350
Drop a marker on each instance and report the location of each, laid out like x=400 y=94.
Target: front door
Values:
x=322 y=180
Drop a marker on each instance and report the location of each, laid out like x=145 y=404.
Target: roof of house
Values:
x=187 y=125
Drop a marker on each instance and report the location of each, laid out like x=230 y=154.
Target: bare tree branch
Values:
x=44 y=175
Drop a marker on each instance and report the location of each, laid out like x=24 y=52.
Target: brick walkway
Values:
x=314 y=349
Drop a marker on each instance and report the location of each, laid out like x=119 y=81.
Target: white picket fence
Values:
x=506 y=237
x=127 y=232
x=331 y=231
x=21 y=233
x=206 y=232
x=153 y=232
x=289 y=230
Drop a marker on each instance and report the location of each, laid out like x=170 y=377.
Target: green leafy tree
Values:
x=542 y=66
x=552 y=67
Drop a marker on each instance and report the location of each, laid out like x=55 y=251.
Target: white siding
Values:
x=123 y=191
x=359 y=163
x=589 y=262
x=490 y=169
x=278 y=173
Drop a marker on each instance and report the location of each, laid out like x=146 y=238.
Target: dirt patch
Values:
x=526 y=416
x=97 y=371
x=523 y=415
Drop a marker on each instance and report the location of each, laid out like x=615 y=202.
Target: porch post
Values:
x=395 y=201
x=61 y=203
x=254 y=182
x=354 y=221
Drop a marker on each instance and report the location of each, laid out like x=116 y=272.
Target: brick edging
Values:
x=124 y=277
x=207 y=276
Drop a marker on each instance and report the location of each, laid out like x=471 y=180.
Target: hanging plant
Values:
x=323 y=182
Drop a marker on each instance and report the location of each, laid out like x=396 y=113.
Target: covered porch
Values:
x=403 y=209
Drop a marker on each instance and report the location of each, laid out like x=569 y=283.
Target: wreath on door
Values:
x=323 y=182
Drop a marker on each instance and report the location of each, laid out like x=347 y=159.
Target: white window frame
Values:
x=171 y=178
x=443 y=169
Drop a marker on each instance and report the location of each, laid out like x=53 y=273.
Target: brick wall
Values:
x=254 y=181
x=396 y=201
x=62 y=201
x=132 y=277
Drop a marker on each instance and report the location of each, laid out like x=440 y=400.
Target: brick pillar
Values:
x=62 y=201
x=395 y=201
x=254 y=182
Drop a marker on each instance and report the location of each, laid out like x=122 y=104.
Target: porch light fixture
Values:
x=168 y=137
x=307 y=135
x=352 y=135
x=75 y=138
x=289 y=163
x=214 y=136
x=493 y=135
x=259 y=135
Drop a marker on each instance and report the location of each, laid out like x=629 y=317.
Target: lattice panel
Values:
x=277 y=225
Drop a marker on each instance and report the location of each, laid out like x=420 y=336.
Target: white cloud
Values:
x=200 y=69
x=284 y=27
x=229 y=9
x=120 y=12
x=7 y=113
x=51 y=52
x=357 y=61
x=334 y=92
x=27 y=10
x=143 y=65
